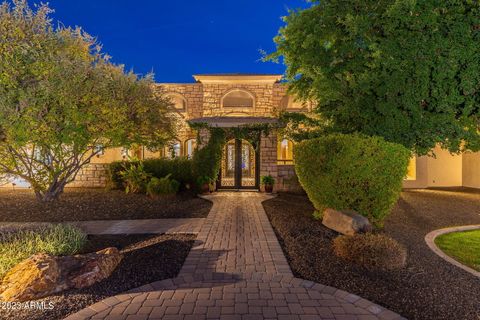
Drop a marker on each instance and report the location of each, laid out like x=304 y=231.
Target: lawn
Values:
x=462 y=246
x=98 y=204
x=428 y=288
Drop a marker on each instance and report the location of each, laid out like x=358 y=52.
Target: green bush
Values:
x=16 y=246
x=179 y=168
x=352 y=172
x=162 y=186
x=268 y=180
x=134 y=178
x=372 y=251
x=207 y=160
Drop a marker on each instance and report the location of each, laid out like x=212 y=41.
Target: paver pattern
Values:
x=154 y=226
x=236 y=270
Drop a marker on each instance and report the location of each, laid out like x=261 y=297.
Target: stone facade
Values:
x=93 y=175
x=204 y=98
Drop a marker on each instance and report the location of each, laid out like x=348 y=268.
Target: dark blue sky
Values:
x=176 y=39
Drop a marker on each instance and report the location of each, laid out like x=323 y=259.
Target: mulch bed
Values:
x=147 y=258
x=428 y=288
x=98 y=204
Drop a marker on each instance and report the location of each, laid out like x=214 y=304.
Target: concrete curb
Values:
x=430 y=240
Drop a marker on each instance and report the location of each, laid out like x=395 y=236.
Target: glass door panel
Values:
x=247 y=165
x=227 y=178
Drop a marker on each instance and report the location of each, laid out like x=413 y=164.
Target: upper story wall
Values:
x=205 y=97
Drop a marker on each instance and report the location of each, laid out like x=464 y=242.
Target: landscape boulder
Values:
x=42 y=275
x=346 y=222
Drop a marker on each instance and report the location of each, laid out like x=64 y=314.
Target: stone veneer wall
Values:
x=287 y=179
x=268 y=157
x=93 y=175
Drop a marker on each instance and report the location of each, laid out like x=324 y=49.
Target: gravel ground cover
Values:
x=98 y=204
x=428 y=288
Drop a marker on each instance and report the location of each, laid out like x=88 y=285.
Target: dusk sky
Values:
x=176 y=39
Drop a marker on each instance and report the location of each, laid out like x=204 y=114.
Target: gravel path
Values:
x=429 y=288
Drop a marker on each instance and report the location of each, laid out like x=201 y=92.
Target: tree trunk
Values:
x=52 y=193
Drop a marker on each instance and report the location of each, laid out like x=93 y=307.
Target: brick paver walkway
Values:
x=158 y=226
x=236 y=270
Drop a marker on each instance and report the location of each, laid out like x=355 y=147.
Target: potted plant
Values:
x=203 y=183
x=268 y=182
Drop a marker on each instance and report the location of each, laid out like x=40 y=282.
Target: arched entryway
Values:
x=239 y=167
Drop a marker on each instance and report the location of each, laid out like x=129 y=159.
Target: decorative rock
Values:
x=345 y=222
x=96 y=267
x=31 y=279
x=42 y=275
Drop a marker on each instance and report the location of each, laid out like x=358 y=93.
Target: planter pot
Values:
x=205 y=188
x=269 y=188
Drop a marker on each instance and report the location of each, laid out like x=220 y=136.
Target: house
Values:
x=233 y=100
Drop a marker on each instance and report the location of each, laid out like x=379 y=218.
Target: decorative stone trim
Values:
x=430 y=240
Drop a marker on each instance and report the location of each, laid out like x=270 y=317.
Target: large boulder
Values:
x=94 y=267
x=42 y=275
x=345 y=222
x=33 y=278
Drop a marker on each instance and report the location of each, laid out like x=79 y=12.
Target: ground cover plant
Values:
x=16 y=246
x=462 y=246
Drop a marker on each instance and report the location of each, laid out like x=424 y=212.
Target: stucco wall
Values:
x=445 y=169
x=421 y=180
x=471 y=170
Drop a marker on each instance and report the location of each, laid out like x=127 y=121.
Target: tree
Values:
x=408 y=71
x=62 y=101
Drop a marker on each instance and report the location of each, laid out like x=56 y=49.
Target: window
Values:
x=173 y=150
x=412 y=169
x=179 y=102
x=99 y=150
x=190 y=146
x=238 y=99
x=284 y=152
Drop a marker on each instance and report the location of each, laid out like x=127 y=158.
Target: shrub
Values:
x=134 y=177
x=16 y=246
x=268 y=180
x=207 y=160
x=373 y=251
x=355 y=172
x=162 y=186
x=179 y=168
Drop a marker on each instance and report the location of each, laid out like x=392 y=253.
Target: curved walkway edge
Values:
x=430 y=240
x=236 y=270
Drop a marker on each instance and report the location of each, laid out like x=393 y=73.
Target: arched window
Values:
x=284 y=152
x=190 y=146
x=179 y=102
x=238 y=99
x=291 y=103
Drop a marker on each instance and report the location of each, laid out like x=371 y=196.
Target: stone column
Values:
x=268 y=157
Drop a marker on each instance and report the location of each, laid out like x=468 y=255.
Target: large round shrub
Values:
x=352 y=172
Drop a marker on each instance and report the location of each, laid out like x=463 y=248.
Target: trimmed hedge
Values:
x=352 y=172
x=179 y=169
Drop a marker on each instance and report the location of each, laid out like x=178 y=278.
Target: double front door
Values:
x=239 y=167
